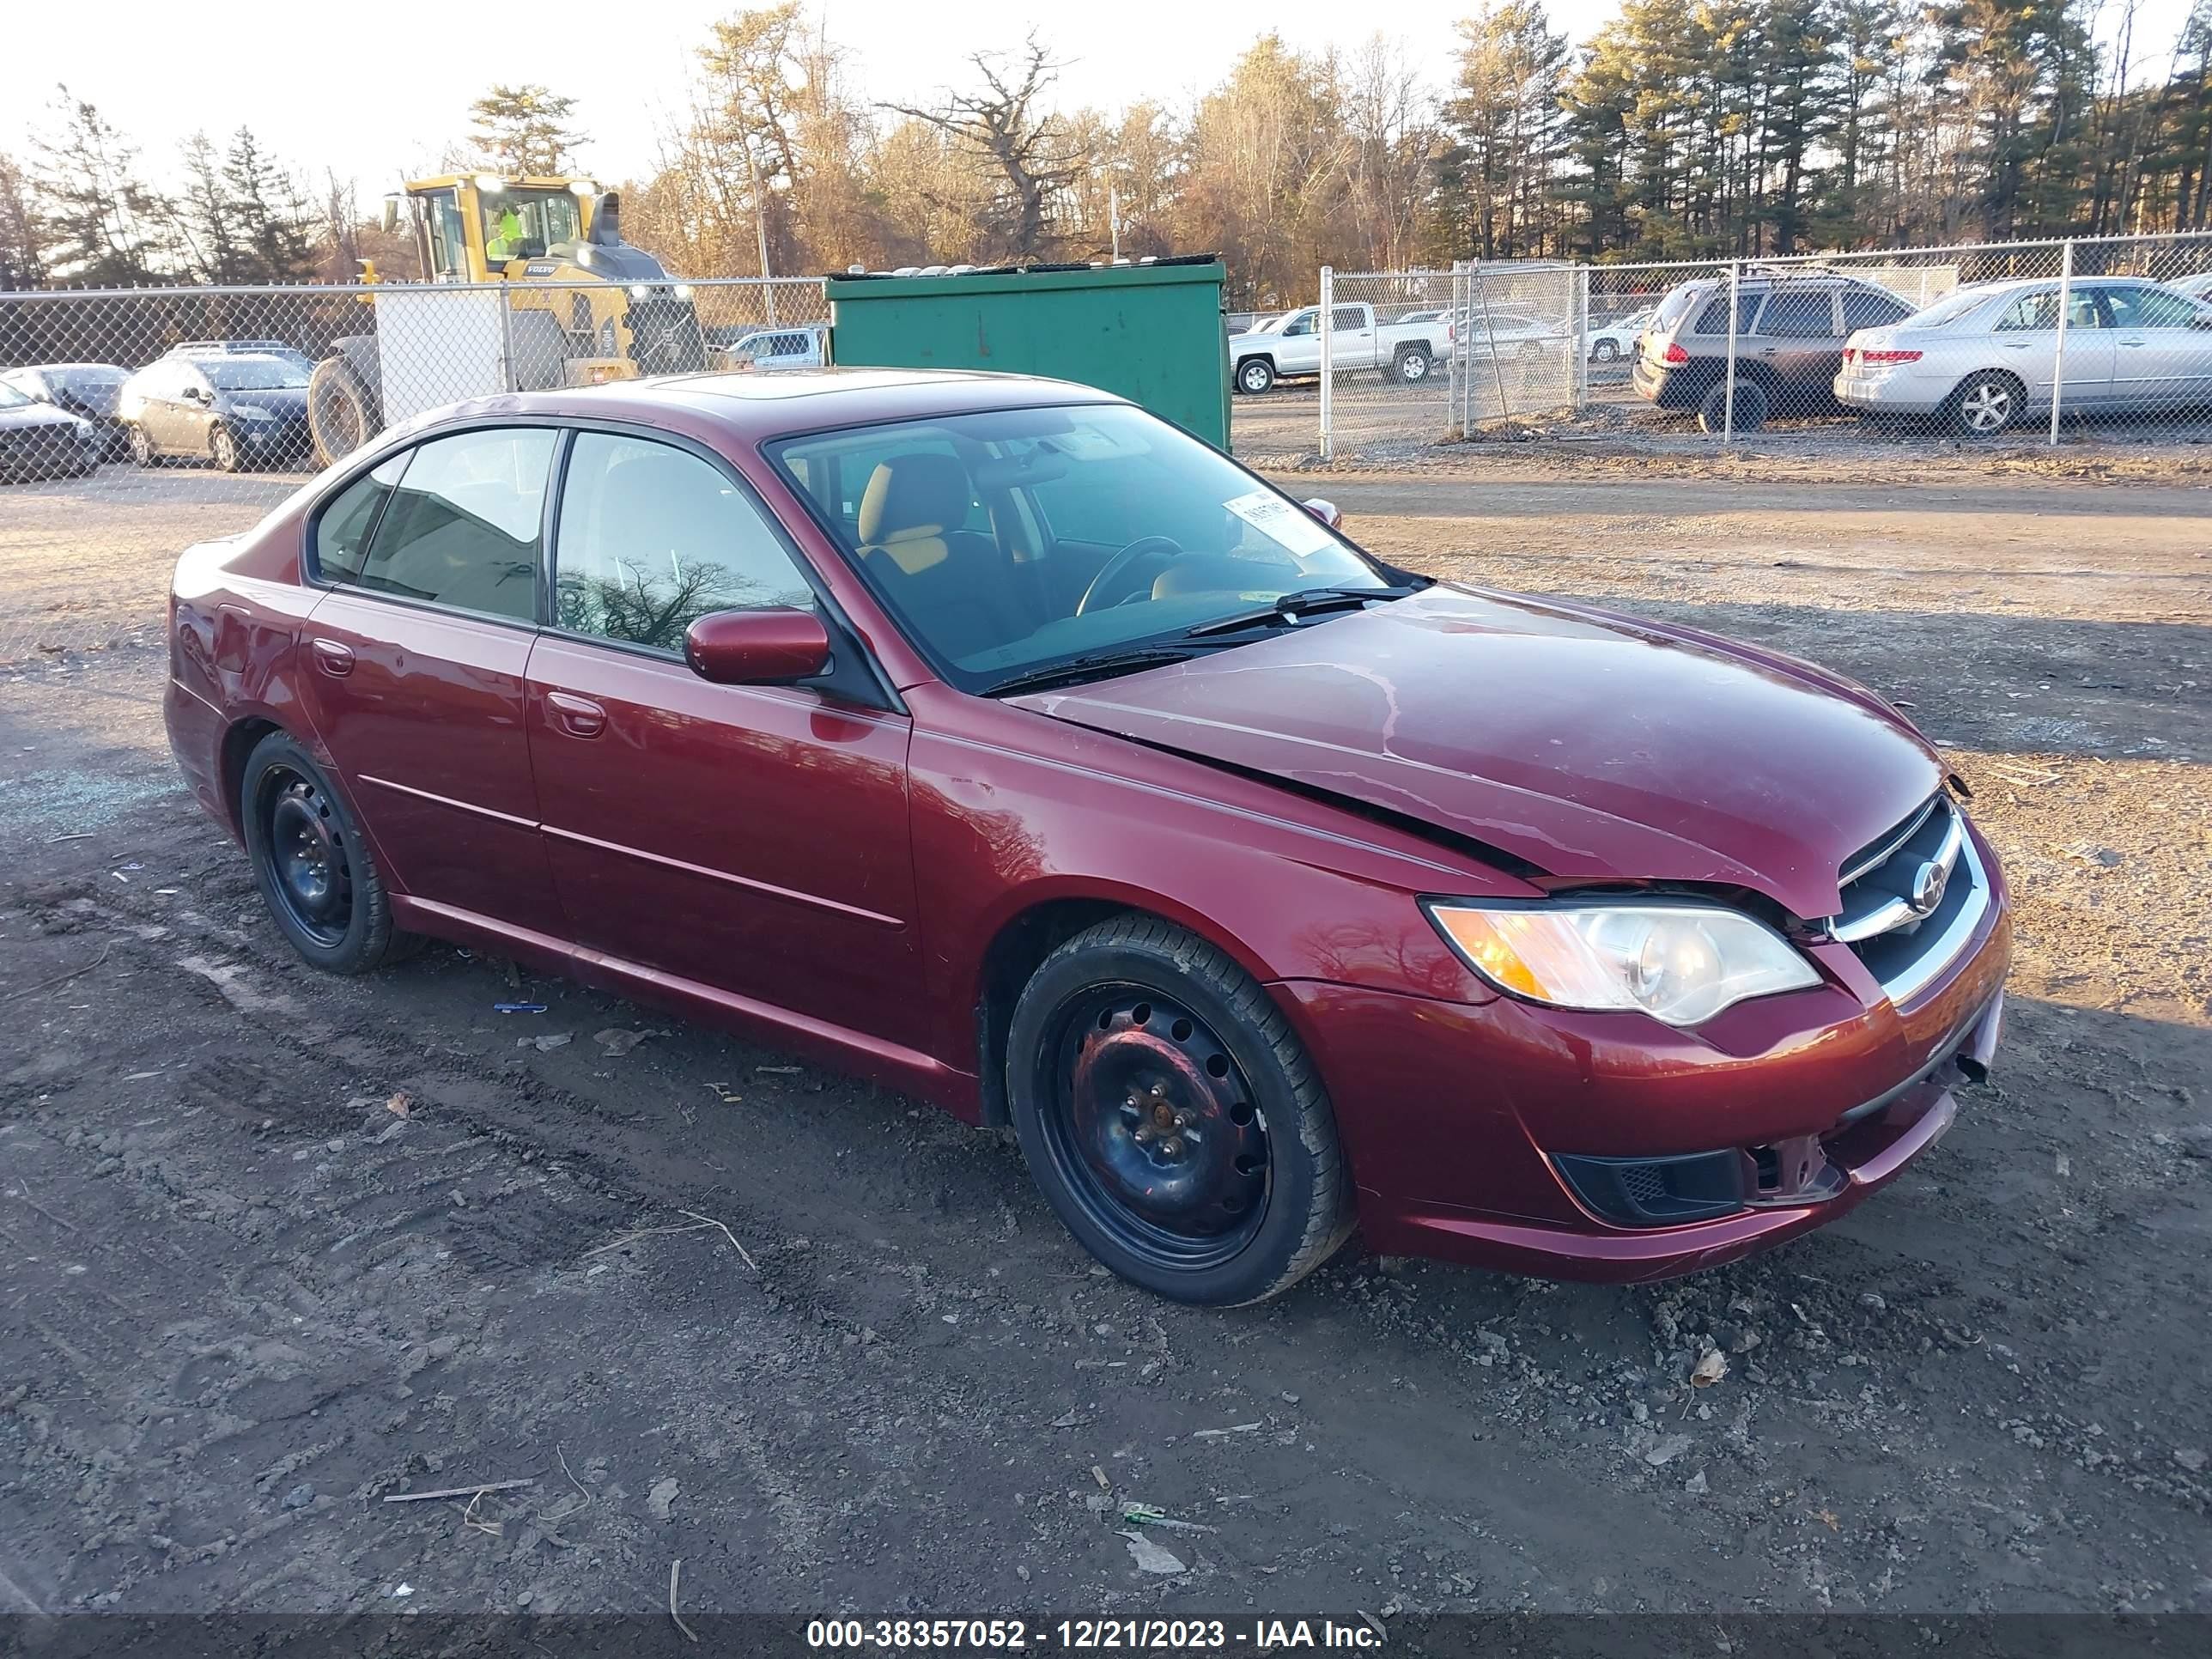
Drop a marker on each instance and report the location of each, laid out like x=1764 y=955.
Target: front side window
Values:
x=652 y=538
x=462 y=527
x=1301 y=324
x=1862 y=310
x=2151 y=307
x=1007 y=542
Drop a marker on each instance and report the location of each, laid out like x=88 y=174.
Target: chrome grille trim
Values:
x=1882 y=851
x=1944 y=949
x=1896 y=911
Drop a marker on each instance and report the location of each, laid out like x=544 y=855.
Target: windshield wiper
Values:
x=1096 y=666
x=1306 y=602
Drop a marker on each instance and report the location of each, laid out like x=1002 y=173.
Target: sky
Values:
x=375 y=91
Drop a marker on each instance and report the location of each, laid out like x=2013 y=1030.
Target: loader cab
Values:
x=470 y=228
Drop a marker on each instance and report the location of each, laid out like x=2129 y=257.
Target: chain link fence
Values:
x=2104 y=339
x=134 y=422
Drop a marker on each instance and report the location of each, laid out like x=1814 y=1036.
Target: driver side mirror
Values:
x=1325 y=511
x=772 y=647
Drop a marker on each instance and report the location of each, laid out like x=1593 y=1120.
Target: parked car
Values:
x=1289 y=346
x=88 y=391
x=1791 y=329
x=998 y=741
x=38 y=441
x=1608 y=343
x=236 y=410
x=2198 y=287
x=1984 y=356
x=804 y=346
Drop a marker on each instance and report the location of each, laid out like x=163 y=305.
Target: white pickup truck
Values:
x=1289 y=346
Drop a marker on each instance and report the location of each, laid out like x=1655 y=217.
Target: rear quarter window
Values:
x=342 y=531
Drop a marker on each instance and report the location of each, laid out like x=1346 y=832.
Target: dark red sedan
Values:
x=992 y=739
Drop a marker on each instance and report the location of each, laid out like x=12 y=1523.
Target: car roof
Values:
x=754 y=408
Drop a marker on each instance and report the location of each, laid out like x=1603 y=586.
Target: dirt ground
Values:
x=828 y=1348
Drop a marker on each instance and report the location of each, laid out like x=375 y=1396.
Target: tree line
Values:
x=1683 y=128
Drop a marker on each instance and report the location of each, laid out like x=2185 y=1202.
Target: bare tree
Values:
x=1035 y=155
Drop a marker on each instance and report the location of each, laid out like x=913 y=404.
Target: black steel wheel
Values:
x=315 y=871
x=1171 y=1117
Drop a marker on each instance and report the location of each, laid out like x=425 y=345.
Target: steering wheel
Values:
x=1145 y=547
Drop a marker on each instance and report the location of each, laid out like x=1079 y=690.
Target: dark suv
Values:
x=1791 y=329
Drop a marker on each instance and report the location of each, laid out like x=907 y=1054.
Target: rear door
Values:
x=1355 y=344
x=2025 y=340
x=415 y=666
x=1797 y=337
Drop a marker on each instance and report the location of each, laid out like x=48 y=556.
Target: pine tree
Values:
x=525 y=131
x=22 y=236
x=271 y=217
x=1504 y=114
x=103 y=223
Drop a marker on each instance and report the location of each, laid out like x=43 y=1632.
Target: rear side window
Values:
x=341 y=533
x=1674 y=307
x=463 y=525
x=2150 y=307
x=1872 y=311
x=1799 y=316
x=652 y=539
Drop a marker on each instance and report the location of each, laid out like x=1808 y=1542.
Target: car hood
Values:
x=278 y=400
x=1592 y=747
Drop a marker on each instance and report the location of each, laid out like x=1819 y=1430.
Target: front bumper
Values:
x=1487 y=1133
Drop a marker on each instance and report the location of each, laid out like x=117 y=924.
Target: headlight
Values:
x=253 y=412
x=682 y=291
x=1681 y=964
x=638 y=291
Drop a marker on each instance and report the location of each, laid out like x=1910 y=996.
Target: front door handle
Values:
x=2015 y=345
x=333 y=658
x=580 y=717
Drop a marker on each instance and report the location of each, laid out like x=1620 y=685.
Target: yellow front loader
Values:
x=529 y=285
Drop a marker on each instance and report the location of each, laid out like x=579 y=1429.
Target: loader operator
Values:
x=506 y=243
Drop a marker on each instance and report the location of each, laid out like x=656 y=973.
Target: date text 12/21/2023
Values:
x=1094 y=1635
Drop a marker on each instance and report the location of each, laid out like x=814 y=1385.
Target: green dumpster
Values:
x=1150 y=333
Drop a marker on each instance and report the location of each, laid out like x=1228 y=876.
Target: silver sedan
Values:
x=1987 y=356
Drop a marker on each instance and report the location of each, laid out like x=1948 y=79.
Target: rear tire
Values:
x=1411 y=365
x=1171 y=1117
x=1254 y=375
x=1604 y=352
x=313 y=866
x=342 y=413
x=1751 y=407
x=1985 y=404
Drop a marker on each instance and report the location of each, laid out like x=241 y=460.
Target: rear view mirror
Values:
x=1325 y=512
x=773 y=647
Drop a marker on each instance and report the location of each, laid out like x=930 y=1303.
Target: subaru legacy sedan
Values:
x=994 y=740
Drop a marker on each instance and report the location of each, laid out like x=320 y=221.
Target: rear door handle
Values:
x=580 y=717
x=333 y=658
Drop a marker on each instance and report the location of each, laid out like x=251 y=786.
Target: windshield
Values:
x=87 y=380
x=252 y=373
x=522 y=224
x=1009 y=540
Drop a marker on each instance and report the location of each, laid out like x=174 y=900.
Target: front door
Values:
x=413 y=668
x=752 y=839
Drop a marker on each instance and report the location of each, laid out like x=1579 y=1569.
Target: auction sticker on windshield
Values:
x=1281 y=522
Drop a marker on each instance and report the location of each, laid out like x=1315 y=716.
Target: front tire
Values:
x=1254 y=375
x=1984 y=404
x=311 y=863
x=222 y=449
x=1172 y=1119
x=142 y=447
